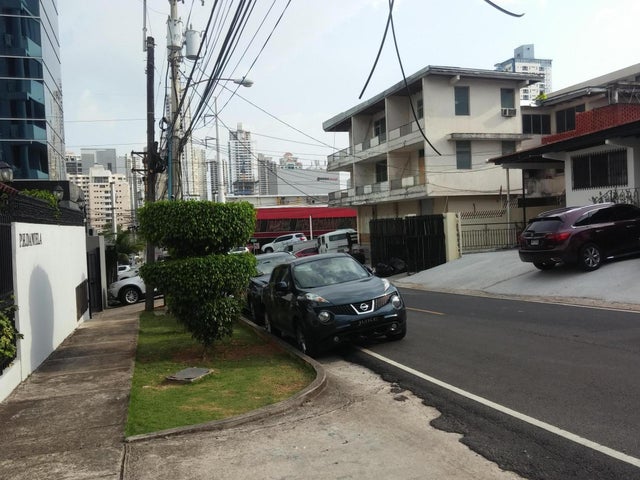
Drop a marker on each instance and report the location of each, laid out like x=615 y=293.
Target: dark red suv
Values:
x=585 y=236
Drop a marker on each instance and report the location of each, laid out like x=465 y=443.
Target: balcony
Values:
x=405 y=188
x=395 y=139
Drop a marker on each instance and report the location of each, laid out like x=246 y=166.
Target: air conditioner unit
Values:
x=508 y=112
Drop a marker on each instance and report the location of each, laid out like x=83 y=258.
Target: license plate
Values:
x=535 y=242
x=367 y=321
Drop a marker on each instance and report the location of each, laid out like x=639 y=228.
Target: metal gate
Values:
x=94 y=274
x=418 y=241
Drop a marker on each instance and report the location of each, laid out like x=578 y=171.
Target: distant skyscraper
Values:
x=106 y=157
x=31 y=121
x=524 y=61
x=243 y=163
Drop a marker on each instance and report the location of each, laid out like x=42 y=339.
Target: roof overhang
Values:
x=540 y=155
x=503 y=137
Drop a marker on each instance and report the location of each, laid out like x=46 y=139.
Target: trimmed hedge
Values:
x=203 y=284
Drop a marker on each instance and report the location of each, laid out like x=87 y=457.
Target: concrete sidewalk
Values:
x=66 y=421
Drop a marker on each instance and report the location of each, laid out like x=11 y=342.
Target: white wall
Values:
x=49 y=263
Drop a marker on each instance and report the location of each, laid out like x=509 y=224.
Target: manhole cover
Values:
x=189 y=374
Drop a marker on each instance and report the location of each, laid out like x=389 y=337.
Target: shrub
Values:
x=202 y=284
x=8 y=334
x=194 y=228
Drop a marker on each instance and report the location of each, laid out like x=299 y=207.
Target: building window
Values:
x=508 y=147
x=380 y=127
x=566 y=119
x=507 y=98
x=600 y=170
x=463 y=154
x=536 y=124
x=420 y=108
x=381 y=171
x=462 y=100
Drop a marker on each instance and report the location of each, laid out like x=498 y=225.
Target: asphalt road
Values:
x=573 y=368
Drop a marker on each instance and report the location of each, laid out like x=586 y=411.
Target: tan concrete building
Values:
x=107 y=197
x=421 y=146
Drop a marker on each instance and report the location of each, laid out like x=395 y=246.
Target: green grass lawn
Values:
x=248 y=373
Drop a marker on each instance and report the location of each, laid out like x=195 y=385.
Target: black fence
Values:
x=489 y=236
x=418 y=242
x=15 y=207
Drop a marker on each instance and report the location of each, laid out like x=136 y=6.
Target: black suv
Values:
x=330 y=298
x=581 y=235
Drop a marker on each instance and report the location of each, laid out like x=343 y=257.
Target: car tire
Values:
x=268 y=326
x=544 y=265
x=129 y=295
x=304 y=343
x=268 y=250
x=590 y=257
x=392 y=337
x=257 y=313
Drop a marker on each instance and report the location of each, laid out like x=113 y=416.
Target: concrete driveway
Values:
x=615 y=283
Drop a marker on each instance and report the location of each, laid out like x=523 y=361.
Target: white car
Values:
x=281 y=243
x=128 y=290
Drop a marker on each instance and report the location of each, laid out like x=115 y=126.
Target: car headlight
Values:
x=386 y=284
x=396 y=302
x=312 y=297
x=325 y=317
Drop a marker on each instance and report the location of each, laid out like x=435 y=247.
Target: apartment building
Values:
x=583 y=144
x=243 y=163
x=421 y=146
x=107 y=198
x=524 y=60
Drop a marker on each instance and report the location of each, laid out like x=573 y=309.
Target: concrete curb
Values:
x=308 y=393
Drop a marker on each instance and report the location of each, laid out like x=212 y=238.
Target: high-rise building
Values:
x=243 y=163
x=107 y=196
x=31 y=119
x=524 y=60
x=106 y=157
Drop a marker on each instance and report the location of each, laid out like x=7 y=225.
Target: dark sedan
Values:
x=327 y=299
x=266 y=262
x=585 y=236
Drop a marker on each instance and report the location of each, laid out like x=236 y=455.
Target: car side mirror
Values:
x=282 y=287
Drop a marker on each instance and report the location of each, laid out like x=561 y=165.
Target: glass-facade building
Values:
x=31 y=120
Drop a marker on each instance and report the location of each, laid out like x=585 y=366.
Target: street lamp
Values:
x=6 y=172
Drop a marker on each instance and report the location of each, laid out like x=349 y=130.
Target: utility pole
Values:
x=221 y=196
x=174 y=45
x=151 y=160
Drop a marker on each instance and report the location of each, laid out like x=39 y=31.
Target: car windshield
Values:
x=266 y=265
x=328 y=271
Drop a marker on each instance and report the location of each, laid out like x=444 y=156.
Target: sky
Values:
x=315 y=62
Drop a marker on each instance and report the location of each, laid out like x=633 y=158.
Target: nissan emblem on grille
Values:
x=364 y=307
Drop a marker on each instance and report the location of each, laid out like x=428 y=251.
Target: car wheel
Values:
x=268 y=250
x=256 y=313
x=129 y=295
x=590 y=257
x=544 y=265
x=305 y=344
x=398 y=335
x=269 y=327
